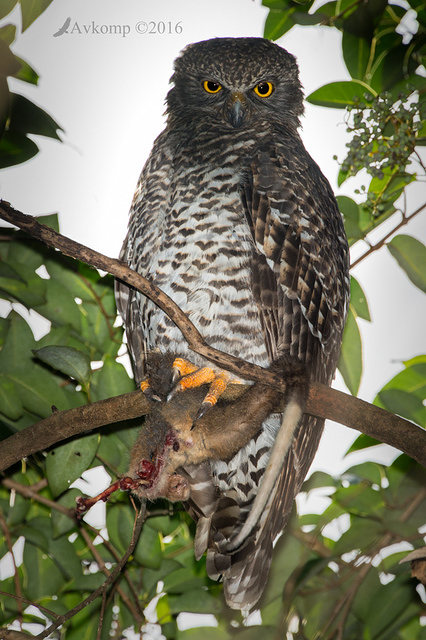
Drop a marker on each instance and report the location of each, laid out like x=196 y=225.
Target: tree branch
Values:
x=323 y=401
x=405 y=220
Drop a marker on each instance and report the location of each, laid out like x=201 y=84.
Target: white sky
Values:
x=108 y=91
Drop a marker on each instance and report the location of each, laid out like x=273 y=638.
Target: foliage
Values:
x=18 y=115
x=335 y=574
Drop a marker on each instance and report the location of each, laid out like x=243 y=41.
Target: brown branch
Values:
x=11 y=634
x=322 y=402
x=405 y=220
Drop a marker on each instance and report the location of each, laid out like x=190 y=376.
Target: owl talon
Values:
x=145 y=387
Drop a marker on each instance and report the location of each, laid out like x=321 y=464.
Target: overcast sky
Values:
x=107 y=91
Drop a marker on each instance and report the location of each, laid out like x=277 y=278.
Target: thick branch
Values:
x=123 y=272
x=323 y=401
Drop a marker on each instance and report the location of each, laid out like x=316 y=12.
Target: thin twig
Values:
x=405 y=220
x=104 y=586
x=16 y=580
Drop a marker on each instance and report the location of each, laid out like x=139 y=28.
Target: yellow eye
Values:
x=264 y=89
x=211 y=86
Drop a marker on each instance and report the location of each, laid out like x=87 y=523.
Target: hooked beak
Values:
x=237 y=109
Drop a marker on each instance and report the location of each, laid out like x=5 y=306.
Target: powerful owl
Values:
x=236 y=223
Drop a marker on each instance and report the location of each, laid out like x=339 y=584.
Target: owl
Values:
x=234 y=220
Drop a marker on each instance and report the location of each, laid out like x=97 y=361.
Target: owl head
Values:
x=235 y=82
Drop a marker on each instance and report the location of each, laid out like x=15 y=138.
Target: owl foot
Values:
x=145 y=387
x=190 y=376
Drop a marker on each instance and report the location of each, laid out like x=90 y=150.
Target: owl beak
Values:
x=236 y=109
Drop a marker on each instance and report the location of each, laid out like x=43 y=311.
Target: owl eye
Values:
x=211 y=86
x=264 y=89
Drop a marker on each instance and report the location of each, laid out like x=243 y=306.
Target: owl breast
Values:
x=193 y=241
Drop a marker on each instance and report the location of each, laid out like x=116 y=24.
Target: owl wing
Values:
x=301 y=287
x=300 y=258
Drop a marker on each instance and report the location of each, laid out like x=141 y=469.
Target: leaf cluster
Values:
x=20 y=117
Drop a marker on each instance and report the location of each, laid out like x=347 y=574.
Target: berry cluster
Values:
x=385 y=134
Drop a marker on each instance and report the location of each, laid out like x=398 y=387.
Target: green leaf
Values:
x=16 y=353
x=66 y=463
x=16 y=148
x=69 y=361
x=207 y=633
x=39 y=390
x=8 y=34
x=339 y=95
x=277 y=24
x=6 y=7
x=318 y=479
x=362 y=534
x=26 y=117
x=410 y=254
x=350 y=360
x=43 y=578
x=351 y=214
x=60 y=308
x=120 y=521
x=196 y=601
x=10 y=402
x=61 y=523
x=356 y=54
x=22 y=284
x=183 y=580
x=358 y=301
x=111 y=380
x=403 y=404
x=26 y=73
x=31 y=10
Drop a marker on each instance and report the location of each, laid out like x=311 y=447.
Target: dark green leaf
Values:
x=68 y=361
x=356 y=54
x=31 y=10
x=61 y=523
x=44 y=579
x=68 y=461
x=10 y=402
x=183 y=580
x=120 y=521
x=410 y=254
x=60 y=308
x=22 y=284
x=339 y=95
x=16 y=148
x=350 y=360
x=197 y=601
x=111 y=380
x=26 y=117
x=307 y=19
x=16 y=353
